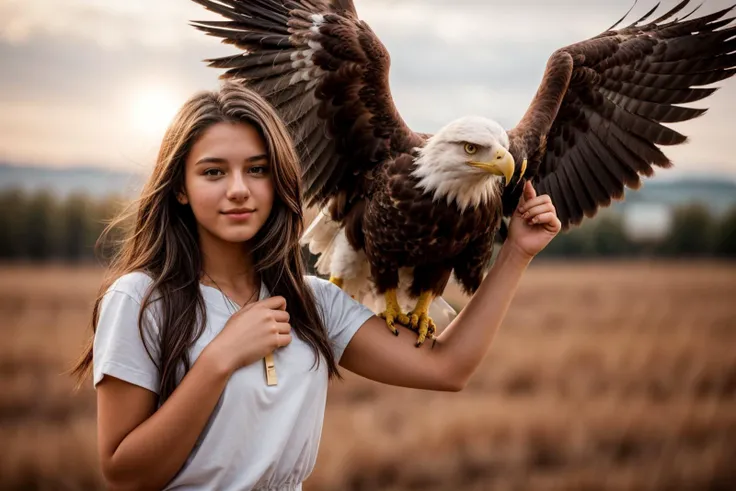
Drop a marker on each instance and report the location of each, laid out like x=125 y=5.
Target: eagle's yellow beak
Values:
x=501 y=165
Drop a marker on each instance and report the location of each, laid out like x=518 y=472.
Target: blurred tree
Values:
x=75 y=244
x=725 y=240
x=608 y=238
x=38 y=226
x=576 y=242
x=692 y=233
x=13 y=207
x=41 y=227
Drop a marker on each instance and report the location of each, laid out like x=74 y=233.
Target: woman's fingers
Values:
x=283 y=327
x=282 y=335
x=549 y=220
x=539 y=200
x=537 y=210
x=541 y=211
x=527 y=193
x=276 y=303
x=280 y=315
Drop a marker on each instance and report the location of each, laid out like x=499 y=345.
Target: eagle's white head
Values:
x=464 y=162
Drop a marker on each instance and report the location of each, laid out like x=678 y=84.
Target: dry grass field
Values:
x=618 y=376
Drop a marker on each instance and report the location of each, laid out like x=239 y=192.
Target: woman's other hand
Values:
x=253 y=332
x=534 y=223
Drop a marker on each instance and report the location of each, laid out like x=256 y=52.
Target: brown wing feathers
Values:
x=327 y=75
x=607 y=122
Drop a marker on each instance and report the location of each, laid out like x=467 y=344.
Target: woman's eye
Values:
x=211 y=172
x=259 y=169
x=470 y=149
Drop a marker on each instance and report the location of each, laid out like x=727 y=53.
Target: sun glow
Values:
x=152 y=109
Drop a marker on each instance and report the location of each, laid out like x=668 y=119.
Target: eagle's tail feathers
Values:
x=320 y=237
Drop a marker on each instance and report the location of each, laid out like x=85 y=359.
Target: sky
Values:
x=94 y=83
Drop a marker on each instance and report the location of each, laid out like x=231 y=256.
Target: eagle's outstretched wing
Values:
x=594 y=124
x=326 y=73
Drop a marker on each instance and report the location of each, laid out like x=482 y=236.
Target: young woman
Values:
x=211 y=280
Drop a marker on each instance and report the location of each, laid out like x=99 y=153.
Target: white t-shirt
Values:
x=258 y=437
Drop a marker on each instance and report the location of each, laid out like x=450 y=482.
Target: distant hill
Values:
x=715 y=192
x=93 y=181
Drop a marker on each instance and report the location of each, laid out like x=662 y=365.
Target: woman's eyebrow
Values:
x=256 y=158
x=220 y=160
x=211 y=160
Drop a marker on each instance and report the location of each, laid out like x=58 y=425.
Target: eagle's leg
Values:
x=393 y=313
x=339 y=282
x=419 y=318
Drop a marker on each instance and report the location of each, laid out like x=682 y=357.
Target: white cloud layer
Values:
x=70 y=69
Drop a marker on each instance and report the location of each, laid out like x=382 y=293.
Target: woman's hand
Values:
x=534 y=223
x=251 y=333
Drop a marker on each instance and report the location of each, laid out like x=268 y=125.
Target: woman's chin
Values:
x=237 y=236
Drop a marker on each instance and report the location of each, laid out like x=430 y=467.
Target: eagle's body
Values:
x=392 y=200
x=423 y=213
x=406 y=226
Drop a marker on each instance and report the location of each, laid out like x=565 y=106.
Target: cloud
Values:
x=70 y=104
x=112 y=25
x=68 y=73
x=163 y=23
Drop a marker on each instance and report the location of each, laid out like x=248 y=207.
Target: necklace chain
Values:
x=227 y=299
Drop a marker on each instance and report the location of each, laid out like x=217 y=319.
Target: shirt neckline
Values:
x=221 y=303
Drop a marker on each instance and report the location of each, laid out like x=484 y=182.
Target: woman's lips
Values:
x=239 y=216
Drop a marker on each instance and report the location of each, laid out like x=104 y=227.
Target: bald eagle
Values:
x=397 y=204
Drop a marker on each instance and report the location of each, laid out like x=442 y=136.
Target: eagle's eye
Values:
x=470 y=149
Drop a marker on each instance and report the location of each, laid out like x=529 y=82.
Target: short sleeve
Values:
x=343 y=315
x=118 y=348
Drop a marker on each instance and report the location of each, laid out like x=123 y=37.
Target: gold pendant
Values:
x=271 y=378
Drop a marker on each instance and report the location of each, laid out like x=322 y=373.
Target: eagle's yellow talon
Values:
x=389 y=322
x=420 y=321
x=424 y=326
x=393 y=313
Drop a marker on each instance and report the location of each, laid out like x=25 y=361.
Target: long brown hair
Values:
x=162 y=237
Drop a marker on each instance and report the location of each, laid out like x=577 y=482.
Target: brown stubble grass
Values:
x=47 y=431
x=604 y=377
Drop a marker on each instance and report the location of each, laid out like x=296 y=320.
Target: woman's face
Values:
x=228 y=182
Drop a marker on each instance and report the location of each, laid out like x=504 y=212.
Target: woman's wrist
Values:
x=215 y=361
x=512 y=253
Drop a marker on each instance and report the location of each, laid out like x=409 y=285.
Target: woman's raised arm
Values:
x=377 y=354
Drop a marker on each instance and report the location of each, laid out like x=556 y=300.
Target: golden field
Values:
x=605 y=376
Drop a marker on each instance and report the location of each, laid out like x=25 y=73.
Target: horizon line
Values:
x=671 y=173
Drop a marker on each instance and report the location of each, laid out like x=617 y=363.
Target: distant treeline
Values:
x=40 y=227
x=694 y=232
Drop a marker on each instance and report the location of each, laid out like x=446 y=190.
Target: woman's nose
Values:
x=238 y=188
